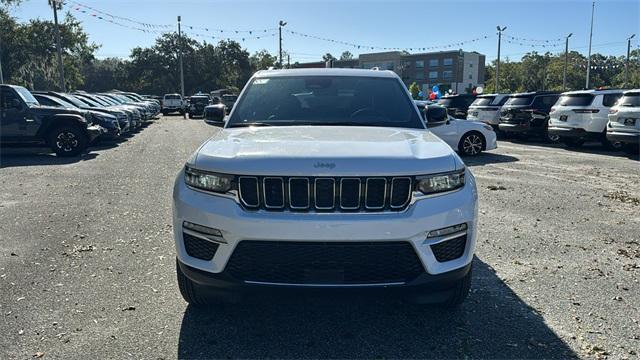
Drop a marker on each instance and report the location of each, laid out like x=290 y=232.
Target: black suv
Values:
x=197 y=104
x=457 y=105
x=24 y=121
x=527 y=114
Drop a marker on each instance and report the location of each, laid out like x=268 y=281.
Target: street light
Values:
x=626 y=68
x=566 y=62
x=498 y=61
x=281 y=24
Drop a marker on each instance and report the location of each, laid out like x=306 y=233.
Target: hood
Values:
x=52 y=110
x=325 y=151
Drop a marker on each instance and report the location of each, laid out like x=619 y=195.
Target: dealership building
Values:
x=456 y=70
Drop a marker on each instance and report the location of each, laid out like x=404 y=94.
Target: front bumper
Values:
x=632 y=138
x=94 y=131
x=409 y=226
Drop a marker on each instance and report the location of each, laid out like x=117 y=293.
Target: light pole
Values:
x=57 y=5
x=498 y=61
x=626 y=67
x=281 y=24
x=593 y=8
x=1 y=77
x=566 y=62
x=180 y=56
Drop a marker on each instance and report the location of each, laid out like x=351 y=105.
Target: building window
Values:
x=419 y=75
x=470 y=77
x=433 y=62
x=447 y=74
x=470 y=64
x=433 y=74
x=447 y=62
x=419 y=64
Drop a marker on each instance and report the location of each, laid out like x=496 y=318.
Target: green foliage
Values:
x=262 y=60
x=29 y=52
x=346 y=56
x=545 y=72
x=326 y=57
x=414 y=89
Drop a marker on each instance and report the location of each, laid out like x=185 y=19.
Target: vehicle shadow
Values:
x=493 y=323
x=39 y=157
x=485 y=158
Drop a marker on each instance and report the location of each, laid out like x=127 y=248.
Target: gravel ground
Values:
x=87 y=265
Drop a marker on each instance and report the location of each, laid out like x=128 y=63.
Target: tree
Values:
x=346 y=56
x=262 y=60
x=414 y=89
x=326 y=57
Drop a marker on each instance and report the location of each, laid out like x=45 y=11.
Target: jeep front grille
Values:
x=325 y=194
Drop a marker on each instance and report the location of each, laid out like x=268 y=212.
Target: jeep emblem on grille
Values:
x=319 y=165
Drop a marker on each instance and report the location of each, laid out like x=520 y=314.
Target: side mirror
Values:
x=214 y=114
x=436 y=116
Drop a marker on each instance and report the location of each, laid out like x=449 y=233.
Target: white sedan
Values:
x=469 y=138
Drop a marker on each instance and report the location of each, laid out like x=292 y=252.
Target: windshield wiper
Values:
x=251 y=124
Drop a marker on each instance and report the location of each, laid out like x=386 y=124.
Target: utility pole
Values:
x=626 y=67
x=593 y=8
x=566 y=62
x=57 y=5
x=281 y=24
x=289 y=61
x=1 y=77
x=180 y=56
x=500 y=30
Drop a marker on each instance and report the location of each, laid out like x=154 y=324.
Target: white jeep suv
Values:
x=624 y=121
x=324 y=178
x=581 y=115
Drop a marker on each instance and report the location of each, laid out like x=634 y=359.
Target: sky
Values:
x=432 y=25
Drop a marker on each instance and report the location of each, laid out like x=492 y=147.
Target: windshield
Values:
x=62 y=102
x=89 y=101
x=172 y=97
x=483 y=101
x=72 y=99
x=26 y=95
x=324 y=100
x=519 y=100
x=630 y=99
x=446 y=102
x=575 y=100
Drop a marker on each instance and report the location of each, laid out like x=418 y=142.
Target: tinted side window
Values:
x=609 y=100
x=45 y=101
x=7 y=96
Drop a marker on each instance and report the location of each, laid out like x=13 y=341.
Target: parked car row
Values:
x=69 y=122
x=610 y=116
x=196 y=104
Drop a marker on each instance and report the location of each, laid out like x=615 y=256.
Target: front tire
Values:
x=471 y=144
x=67 y=140
x=460 y=291
x=190 y=291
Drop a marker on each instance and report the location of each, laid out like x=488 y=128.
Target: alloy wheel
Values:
x=472 y=144
x=66 y=141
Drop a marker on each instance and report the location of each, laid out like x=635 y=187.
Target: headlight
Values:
x=487 y=127
x=207 y=181
x=432 y=184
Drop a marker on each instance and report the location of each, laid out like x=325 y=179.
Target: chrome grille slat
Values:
x=325 y=194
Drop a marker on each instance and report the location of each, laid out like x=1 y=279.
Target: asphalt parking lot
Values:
x=87 y=265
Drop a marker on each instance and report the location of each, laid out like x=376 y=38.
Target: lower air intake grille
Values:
x=336 y=263
x=450 y=249
x=199 y=248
